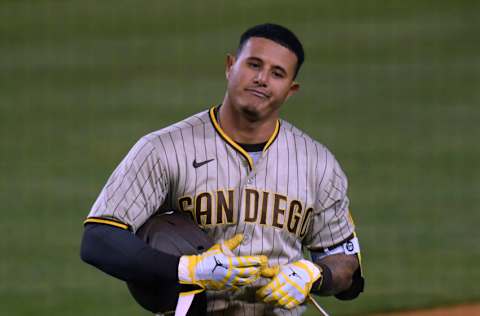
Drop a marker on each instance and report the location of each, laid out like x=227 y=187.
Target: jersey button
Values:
x=250 y=180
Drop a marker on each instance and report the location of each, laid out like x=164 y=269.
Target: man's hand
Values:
x=218 y=268
x=290 y=283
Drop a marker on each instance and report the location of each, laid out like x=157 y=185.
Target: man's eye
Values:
x=278 y=74
x=254 y=65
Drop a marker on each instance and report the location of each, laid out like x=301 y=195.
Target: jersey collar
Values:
x=235 y=145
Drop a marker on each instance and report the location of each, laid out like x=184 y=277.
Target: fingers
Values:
x=246 y=272
x=278 y=293
x=280 y=297
x=238 y=277
x=272 y=298
x=244 y=275
x=284 y=300
x=232 y=243
x=269 y=288
x=269 y=272
x=239 y=281
x=289 y=302
x=249 y=261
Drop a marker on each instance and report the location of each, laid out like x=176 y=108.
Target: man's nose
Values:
x=261 y=78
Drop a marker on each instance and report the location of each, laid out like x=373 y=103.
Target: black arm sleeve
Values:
x=123 y=255
x=358 y=284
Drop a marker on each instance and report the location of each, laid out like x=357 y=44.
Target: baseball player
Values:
x=263 y=189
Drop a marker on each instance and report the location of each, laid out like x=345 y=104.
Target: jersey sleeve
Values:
x=134 y=191
x=332 y=223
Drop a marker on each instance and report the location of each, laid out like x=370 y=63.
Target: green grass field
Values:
x=392 y=87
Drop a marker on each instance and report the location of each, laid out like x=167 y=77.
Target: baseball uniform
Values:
x=292 y=196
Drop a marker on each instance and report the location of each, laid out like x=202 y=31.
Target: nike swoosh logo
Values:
x=199 y=164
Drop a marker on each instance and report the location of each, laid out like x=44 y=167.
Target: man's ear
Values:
x=293 y=89
x=228 y=64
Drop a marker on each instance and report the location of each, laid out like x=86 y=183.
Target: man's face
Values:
x=260 y=78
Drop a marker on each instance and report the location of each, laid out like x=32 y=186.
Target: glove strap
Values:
x=324 y=284
x=185 y=276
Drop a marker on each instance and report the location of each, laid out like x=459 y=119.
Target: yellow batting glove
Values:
x=218 y=268
x=290 y=283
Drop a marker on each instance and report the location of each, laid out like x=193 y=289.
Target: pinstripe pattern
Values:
x=297 y=194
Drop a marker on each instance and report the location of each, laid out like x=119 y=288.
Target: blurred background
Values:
x=391 y=87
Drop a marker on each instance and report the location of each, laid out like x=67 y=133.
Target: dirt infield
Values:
x=461 y=310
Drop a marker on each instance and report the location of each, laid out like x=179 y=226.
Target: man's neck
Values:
x=242 y=130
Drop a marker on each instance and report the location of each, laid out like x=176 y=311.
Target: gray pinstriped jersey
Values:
x=293 y=197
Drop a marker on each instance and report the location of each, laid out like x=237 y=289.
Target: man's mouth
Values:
x=258 y=93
